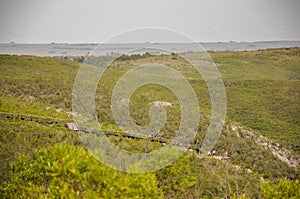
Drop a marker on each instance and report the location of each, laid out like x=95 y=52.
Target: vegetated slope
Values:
x=36 y=85
x=33 y=86
x=262 y=89
x=292 y=160
x=246 y=150
x=267 y=101
x=263 y=92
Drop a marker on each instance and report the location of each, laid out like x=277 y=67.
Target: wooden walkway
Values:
x=51 y=120
x=38 y=119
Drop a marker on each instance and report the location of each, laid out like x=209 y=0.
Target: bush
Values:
x=67 y=171
x=284 y=189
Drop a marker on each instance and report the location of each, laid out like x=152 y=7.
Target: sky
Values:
x=93 y=21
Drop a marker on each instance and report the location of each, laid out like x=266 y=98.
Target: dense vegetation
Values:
x=65 y=171
x=263 y=91
x=262 y=95
x=18 y=137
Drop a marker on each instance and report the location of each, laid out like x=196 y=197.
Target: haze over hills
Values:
x=65 y=49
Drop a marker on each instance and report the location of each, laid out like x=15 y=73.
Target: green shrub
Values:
x=285 y=189
x=67 y=171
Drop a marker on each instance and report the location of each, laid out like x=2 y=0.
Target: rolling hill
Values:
x=261 y=134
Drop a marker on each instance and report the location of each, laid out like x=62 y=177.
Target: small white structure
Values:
x=162 y=103
x=72 y=126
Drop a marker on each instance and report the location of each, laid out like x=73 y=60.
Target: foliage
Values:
x=285 y=189
x=245 y=152
x=194 y=177
x=262 y=90
x=19 y=137
x=67 y=171
x=46 y=81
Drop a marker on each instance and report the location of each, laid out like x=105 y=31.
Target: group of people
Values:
x=213 y=153
x=154 y=136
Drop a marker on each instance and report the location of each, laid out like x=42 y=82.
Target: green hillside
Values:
x=262 y=89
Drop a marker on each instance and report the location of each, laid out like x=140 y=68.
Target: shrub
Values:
x=67 y=171
x=284 y=189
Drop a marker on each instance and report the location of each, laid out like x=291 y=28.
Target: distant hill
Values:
x=65 y=49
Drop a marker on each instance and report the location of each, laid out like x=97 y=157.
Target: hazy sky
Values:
x=44 y=21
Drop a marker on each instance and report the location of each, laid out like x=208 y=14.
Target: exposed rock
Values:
x=162 y=103
x=282 y=154
x=31 y=98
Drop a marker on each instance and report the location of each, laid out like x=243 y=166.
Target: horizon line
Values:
x=96 y=43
